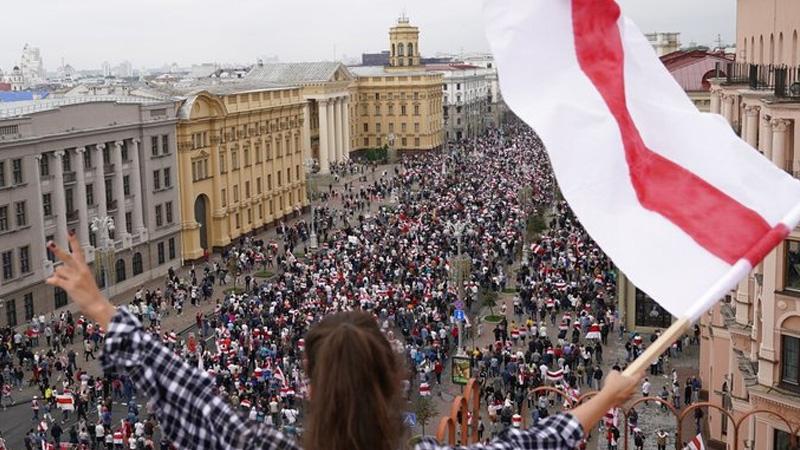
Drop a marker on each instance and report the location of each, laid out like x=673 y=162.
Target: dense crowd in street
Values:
x=387 y=251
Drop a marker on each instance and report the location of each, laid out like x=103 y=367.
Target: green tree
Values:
x=425 y=411
x=489 y=299
x=233 y=268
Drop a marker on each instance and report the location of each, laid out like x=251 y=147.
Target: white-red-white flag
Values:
x=65 y=402
x=696 y=444
x=682 y=205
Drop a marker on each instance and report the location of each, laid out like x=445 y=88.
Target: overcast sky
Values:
x=151 y=33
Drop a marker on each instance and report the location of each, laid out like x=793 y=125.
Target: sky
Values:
x=151 y=33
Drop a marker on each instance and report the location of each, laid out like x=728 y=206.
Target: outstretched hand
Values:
x=76 y=278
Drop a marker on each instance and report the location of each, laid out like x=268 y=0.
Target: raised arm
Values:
x=191 y=415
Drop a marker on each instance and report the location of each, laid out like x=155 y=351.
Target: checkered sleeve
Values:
x=558 y=432
x=189 y=412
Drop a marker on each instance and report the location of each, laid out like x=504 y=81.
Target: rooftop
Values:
x=21 y=108
x=379 y=71
x=294 y=73
x=222 y=88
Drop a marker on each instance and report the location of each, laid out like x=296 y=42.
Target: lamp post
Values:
x=312 y=238
x=105 y=251
x=524 y=202
x=460 y=267
x=390 y=154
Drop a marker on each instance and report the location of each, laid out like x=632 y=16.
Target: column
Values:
x=765 y=136
x=324 y=166
x=779 y=128
x=83 y=208
x=339 y=113
x=306 y=132
x=58 y=199
x=119 y=190
x=136 y=190
x=100 y=181
x=726 y=108
x=751 y=125
x=331 y=132
x=346 y=120
x=715 y=103
x=39 y=217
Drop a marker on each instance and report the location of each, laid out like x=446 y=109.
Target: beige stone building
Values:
x=240 y=159
x=750 y=348
x=398 y=106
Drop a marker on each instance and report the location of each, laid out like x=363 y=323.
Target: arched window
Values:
x=410 y=49
x=772 y=49
x=790 y=355
x=137 y=264
x=120 y=269
x=752 y=50
x=401 y=50
x=794 y=49
x=393 y=51
x=761 y=49
x=780 y=59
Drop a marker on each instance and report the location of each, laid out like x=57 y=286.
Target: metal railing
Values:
x=50 y=103
x=782 y=80
x=460 y=427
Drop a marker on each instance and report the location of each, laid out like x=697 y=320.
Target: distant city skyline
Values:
x=161 y=32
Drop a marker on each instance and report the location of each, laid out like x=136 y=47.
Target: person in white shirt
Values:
x=646 y=388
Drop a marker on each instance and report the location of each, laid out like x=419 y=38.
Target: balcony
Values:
x=783 y=81
x=69 y=177
x=111 y=205
x=72 y=216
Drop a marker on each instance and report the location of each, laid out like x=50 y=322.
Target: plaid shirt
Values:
x=193 y=417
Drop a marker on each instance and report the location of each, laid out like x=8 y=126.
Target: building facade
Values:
x=693 y=71
x=327 y=90
x=32 y=66
x=466 y=99
x=56 y=177
x=750 y=348
x=241 y=162
x=398 y=106
x=664 y=43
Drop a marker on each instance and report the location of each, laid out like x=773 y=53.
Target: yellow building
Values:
x=400 y=105
x=240 y=158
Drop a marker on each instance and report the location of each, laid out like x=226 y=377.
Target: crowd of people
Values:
x=387 y=250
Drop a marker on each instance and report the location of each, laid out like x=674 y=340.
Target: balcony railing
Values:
x=783 y=81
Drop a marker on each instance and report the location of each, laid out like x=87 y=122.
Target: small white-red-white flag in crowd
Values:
x=696 y=444
x=65 y=402
x=682 y=205
x=424 y=389
x=555 y=375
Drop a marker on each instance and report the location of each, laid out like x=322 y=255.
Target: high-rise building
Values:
x=750 y=347
x=32 y=66
x=467 y=99
x=664 y=43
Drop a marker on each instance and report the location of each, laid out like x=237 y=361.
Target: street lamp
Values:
x=102 y=226
x=460 y=266
x=312 y=238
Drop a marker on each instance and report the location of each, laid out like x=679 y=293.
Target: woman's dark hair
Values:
x=356 y=378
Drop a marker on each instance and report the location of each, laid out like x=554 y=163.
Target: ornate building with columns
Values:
x=241 y=150
x=65 y=163
x=398 y=106
x=327 y=89
x=750 y=346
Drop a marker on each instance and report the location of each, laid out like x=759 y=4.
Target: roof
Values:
x=18 y=96
x=299 y=73
x=225 y=88
x=691 y=69
x=379 y=71
x=21 y=108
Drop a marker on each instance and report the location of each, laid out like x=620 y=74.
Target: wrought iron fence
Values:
x=460 y=427
x=782 y=80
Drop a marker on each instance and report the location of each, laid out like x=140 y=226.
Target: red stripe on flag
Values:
x=717 y=222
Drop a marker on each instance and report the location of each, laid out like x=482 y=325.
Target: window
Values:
x=258 y=185
x=161 y=258
x=50 y=255
x=119 y=268
x=3 y=218
x=237 y=220
x=109 y=193
x=168 y=211
x=224 y=198
x=167 y=177
x=790 y=362
x=288 y=175
x=416 y=142
x=402 y=110
x=11 y=313
x=269 y=182
x=24 y=259
x=159 y=217
x=280 y=179
x=106 y=155
x=403 y=127
x=378 y=127
x=16 y=169
x=458 y=86
x=89 y=194
x=124 y=151
x=137 y=264
x=416 y=110
x=2 y=174
x=87 y=159
x=366 y=142
x=246 y=189
x=391 y=127
x=222 y=163
x=69 y=200
x=234 y=159
x=28 y=300
x=235 y=193
x=782 y=440
x=416 y=127
x=649 y=313
x=404 y=141
x=171 y=246
x=249 y=216
x=44 y=165
x=126 y=185
x=260 y=211
x=366 y=128
x=156 y=180
x=154 y=145
x=246 y=157
x=60 y=297
x=8 y=265
x=129 y=222
x=47 y=205
x=164 y=144
x=792 y=277
x=92 y=238
x=22 y=216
